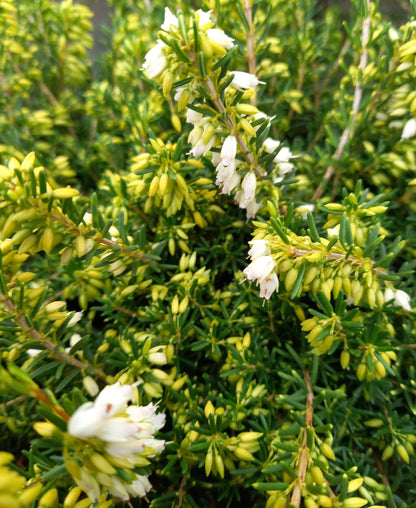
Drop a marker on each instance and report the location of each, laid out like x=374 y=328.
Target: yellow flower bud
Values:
x=30 y=494
x=176 y=123
x=208 y=461
x=28 y=161
x=154 y=186
x=243 y=454
x=290 y=278
x=45 y=429
x=325 y=501
x=355 y=484
x=46 y=240
x=65 y=193
x=183 y=305
x=246 y=109
x=175 y=305
x=209 y=409
x=310 y=503
x=72 y=497
x=387 y=452
x=219 y=464
x=401 y=450
x=374 y=423
x=317 y=475
x=354 y=502
x=102 y=464
x=361 y=371
x=345 y=359
x=327 y=451
x=49 y=499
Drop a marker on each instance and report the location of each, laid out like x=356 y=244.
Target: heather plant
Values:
x=207 y=256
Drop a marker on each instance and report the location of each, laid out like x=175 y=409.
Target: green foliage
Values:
x=138 y=201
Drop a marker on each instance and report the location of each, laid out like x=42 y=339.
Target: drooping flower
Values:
x=218 y=36
x=282 y=160
x=229 y=150
x=399 y=297
x=248 y=188
x=155 y=61
x=244 y=80
x=270 y=145
x=259 y=248
x=260 y=268
x=252 y=208
x=268 y=286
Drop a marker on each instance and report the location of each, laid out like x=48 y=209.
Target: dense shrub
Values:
x=207 y=250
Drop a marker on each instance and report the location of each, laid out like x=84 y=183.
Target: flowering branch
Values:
x=35 y=334
x=358 y=92
x=251 y=55
x=303 y=461
x=209 y=85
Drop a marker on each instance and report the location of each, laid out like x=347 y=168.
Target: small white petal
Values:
x=409 y=129
x=155 y=61
x=194 y=117
x=218 y=36
x=252 y=209
x=260 y=268
x=402 y=299
x=114 y=398
x=86 y=421
x=230 y=183
x=76 y=316
x=126 y=449
x=244 y=80
x=270 y=145
x=74 y=339
x=170 y=20
x=229 y=150
x=268 y=286
x=258 y=248
x=119 y=490
x=248 y=186
x=204 y=17
x=33 y=352
x=140 y=487
x=201 y=148
x=116 y=429
x=284 y=155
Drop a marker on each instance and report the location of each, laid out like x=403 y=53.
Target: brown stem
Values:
x=35 y=334
x=181 y=492
x=209 y=85
x=251 y=55
x=303 y=459
x=349 y=129
x=322 y=87
x=97 y=238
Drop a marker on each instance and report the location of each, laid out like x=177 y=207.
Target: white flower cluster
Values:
x=155 y=60
x=262 y=268
x=206 y=136
x=122 y=434
x=399 y=297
